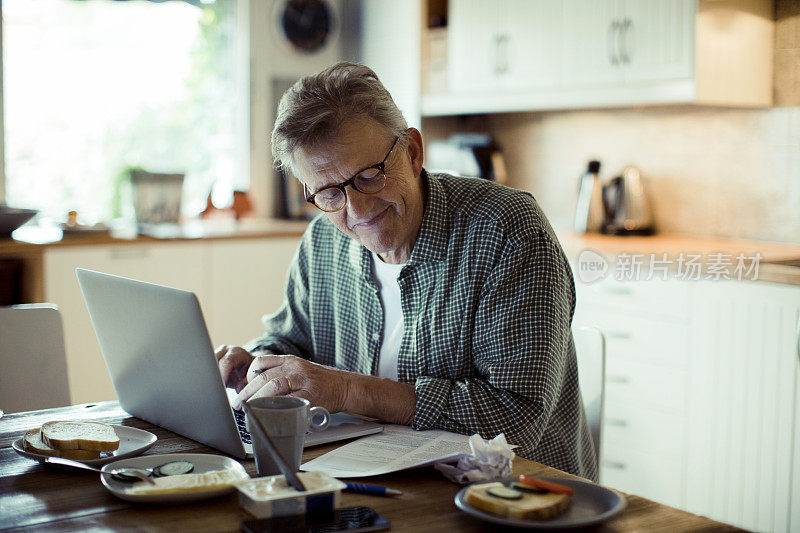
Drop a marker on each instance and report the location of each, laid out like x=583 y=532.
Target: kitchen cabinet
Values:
x=235 y=280
x=524 y=56
x=507 y=51
x=744 y=382
x=794 y=509
x=647 y=349
x=702 y=395
x=179 y=265
x=645 y=41
x=246 y=282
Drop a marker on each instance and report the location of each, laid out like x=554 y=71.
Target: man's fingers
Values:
x=302 y=393
x=221 y=351
x=262 y=385
x=263 y=363
x=233 y=364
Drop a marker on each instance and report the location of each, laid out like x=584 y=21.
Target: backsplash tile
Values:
x=719 y=172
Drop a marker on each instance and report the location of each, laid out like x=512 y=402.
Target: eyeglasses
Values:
x=370 y=180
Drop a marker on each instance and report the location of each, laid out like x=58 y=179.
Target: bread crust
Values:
x=532 y=506
x=84 y=435
x=32 y=442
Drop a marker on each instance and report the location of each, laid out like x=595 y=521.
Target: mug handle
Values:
x=326 y=418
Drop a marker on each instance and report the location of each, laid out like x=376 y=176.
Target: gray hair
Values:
x=312 y=111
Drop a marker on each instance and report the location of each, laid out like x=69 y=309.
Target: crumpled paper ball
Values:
x=488 y=460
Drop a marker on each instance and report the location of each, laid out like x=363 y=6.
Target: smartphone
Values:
x=350 y=519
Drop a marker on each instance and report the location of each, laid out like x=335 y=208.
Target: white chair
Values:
x=33 y=361
x=590 y=347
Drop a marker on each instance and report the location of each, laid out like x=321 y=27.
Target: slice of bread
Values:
x=68 y=435
x=532 y=506
x=33 y=443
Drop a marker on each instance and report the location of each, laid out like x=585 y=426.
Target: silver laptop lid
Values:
x=157 y=349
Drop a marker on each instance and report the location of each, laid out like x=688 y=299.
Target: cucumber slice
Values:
x=505 y=493
x=174 y=468
x=125 y=477
x=525 y=488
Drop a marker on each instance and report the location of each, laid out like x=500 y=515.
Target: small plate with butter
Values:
x=201 y=476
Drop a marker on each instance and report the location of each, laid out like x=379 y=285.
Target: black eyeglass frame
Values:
x=352 y=181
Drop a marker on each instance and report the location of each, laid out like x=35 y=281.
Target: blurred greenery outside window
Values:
x=93 y=88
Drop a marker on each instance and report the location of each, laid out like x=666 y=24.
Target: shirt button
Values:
x=376 y=337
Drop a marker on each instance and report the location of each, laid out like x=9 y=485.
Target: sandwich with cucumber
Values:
x=528 y=498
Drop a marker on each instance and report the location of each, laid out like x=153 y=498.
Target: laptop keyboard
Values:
x=240 y=423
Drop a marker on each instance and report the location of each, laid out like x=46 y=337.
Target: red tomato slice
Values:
x=549 y=486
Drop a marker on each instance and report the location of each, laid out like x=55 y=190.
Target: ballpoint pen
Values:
x=373 y=490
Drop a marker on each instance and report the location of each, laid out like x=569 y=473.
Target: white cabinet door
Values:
x=474 y=45
x=590 y=49
x=619 y=42
x=794 y=510
x=530 y=51
x=647 y=340
x=657 y=40
x=179 y=265
x=247 y=282
x=505 y=44
x=743 y=374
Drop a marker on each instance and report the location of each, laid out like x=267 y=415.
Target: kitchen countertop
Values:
x=609 y=246
x=675 y=246
x=34 y=239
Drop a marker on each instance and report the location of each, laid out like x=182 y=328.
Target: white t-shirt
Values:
x=393 y=328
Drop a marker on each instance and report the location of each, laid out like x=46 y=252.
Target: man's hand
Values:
x=233 y=363
x=273 y=375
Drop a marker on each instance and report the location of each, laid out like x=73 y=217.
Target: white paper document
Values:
x=396 y=448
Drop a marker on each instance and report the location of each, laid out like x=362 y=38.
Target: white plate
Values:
x=591 y=504
x=203 y=462
x=132 y=441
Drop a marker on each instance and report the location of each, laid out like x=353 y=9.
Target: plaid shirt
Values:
x=487 y=301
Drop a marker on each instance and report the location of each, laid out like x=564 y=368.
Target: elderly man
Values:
x=423 y=299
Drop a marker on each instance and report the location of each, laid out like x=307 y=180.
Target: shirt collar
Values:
x=431 y=243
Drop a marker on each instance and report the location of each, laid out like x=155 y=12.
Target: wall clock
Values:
x=306 y=25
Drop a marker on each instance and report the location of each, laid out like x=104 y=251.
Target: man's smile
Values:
x=374 y=220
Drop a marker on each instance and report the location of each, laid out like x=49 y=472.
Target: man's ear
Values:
x=415 y=149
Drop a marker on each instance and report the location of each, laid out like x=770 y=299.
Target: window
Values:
x=95 y=87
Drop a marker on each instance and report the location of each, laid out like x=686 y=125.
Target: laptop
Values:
x=158 y=352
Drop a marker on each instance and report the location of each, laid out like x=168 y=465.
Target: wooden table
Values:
x=49 y=498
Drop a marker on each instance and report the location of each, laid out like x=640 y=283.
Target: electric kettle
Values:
x=589 y=214
x=626 y=206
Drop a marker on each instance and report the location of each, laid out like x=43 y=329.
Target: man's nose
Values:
x=358 y=204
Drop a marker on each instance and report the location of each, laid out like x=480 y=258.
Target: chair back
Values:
x=33 y=361
x=590 y=347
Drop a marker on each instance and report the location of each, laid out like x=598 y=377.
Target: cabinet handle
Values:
x=622 y=291
x=797 y=339
x=617 y=422
x=623 y=38
x=615 y=464
x=502 y=54
x=129 y=253
x=622 y=335
x=610 y=40
x=618 y=379
x=496 y=40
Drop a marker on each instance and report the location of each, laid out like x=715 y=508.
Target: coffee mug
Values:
x=286 y=420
